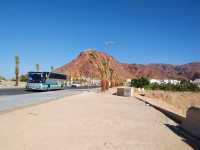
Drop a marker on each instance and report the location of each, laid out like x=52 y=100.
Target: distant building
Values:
x=155 y=81
x=196 y=82
x=96 y=82
x=127 y=82
x=165 y=81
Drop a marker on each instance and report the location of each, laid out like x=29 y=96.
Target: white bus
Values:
x=43 y=81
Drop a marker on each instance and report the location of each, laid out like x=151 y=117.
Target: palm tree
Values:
x=52 y=68
x=17 y=70
x=37 y=67
x=111 y=77
x=103 y=66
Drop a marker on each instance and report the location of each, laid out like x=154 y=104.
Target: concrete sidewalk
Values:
x=89 y=121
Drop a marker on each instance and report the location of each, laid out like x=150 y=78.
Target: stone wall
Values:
x=128 y=92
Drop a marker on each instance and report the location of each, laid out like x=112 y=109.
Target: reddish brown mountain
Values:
x=82 y=66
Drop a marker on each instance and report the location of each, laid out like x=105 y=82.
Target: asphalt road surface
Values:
x=13 y=91
x=19 y=91
x=17 y=97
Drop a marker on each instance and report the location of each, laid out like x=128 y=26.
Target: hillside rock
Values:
x=82 y=66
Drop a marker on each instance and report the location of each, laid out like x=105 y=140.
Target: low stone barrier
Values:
x=192 y=121
x=127 y=92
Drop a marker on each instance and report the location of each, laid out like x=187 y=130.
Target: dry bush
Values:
x=179 y=100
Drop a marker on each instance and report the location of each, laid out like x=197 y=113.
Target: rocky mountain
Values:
x=83 y=65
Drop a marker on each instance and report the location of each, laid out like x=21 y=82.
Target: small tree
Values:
x=37 y=66
x=23 y=78
x=140 y=83
x=2 y=78
x=188 y=86
x=103 y=66
x=17 y=61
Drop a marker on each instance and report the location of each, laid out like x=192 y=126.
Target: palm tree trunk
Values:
x=17 y=70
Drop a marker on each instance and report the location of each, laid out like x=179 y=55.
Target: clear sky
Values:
x=53 y=32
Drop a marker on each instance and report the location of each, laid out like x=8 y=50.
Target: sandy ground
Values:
x=179 y=101
x=88 y=121
x=11 y=84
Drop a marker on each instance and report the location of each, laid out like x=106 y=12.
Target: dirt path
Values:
x=89 y=121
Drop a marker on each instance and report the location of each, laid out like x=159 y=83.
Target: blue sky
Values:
x=53 y=32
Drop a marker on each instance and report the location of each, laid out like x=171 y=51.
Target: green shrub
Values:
x=184 y=85
x=140 y=83
x=23 y=78
x=2 y=78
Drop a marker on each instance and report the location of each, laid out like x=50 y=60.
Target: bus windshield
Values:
x=36 y=78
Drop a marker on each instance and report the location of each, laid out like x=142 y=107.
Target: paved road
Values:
x=19 y=91
x=13 y=91
x=16 y=98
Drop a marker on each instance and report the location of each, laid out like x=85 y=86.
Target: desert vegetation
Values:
x=24 y=78
x=140 y=83
x=108 y=76
x=184 y=85
x=2 y=78
x=180 y=101
x=178 y=96
x=17 y=70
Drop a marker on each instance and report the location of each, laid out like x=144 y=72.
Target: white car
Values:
x=76 y=85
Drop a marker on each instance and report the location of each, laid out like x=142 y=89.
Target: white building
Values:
x=155 y=81
x=128 y=80
x=165 y=81
x=197 y=82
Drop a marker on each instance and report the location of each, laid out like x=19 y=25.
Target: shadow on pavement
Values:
x=185 y=136
x=13 y=91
